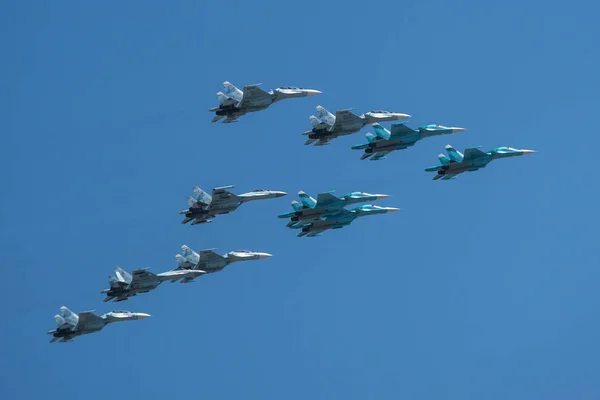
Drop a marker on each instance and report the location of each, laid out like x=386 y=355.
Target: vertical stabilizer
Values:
x=222 y=97
x=123 y=275
x=232 y=91
x=180 y=260
x=306 y=200
x=454 y=154
x=69 y=316
x=314 y=121
x=295 y=205
x=325 y=116
x=60 y=321
x=443 y=159
x=201 y=196
x=191 y=201
x=381 y=131
x=189 y=256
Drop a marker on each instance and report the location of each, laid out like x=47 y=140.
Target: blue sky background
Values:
x=485 y=287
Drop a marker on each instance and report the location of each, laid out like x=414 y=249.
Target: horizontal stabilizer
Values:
x=309 y=141
x=366 y=155
x=217 y=118
x=322 y=142
x=186 y=220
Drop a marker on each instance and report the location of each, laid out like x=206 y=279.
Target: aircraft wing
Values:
x=379 y=155
x=346 y=117
x=180 y=274
x=221 y=195
x=327 y=200
x=401 y=130
x=208 y=256
x=88 y=318
x=141 y=274
x=252 y=93
x=473 y=154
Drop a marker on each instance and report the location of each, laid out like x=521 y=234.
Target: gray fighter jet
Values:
x=69 y=324
x=326 y=126
x=125 y=285
x=234 y=102
x=210 y=261
x=203 y=206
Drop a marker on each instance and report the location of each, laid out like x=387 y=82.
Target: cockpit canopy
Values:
x=380 y=112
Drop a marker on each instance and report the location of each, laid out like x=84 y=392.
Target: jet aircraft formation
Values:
x=310 y=216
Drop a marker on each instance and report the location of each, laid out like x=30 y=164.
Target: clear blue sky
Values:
x=485 y=287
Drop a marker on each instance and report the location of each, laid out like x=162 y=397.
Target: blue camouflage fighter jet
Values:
x=473 y=159
x=338 y=220
x=401 y=137
x=325 y=204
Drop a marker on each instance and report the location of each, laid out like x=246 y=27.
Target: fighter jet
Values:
x=325 y=205
x=234 y=103
x=210 y=262
x=473 y=159
x=203 y=206
x=401 y=137
x=69 y=324
x=326 y=126
x=341 y=219
x=125 y=285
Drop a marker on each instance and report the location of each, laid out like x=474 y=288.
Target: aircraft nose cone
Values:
x=392 y=209
x=262 y=256
x=280 y=194
x=382 y=196
x=312 y=92
x=457 y=130
x=402 y=116
x=142 y=315
x=525 y=152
